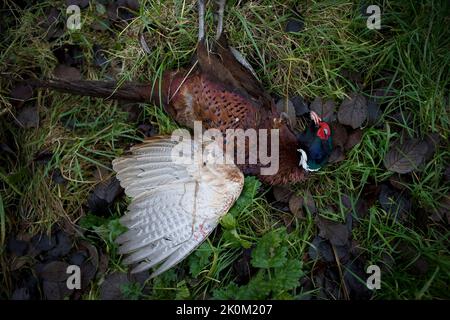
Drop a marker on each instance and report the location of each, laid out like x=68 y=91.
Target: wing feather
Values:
x=175 y=204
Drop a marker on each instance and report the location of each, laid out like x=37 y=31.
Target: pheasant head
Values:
x=315 y=144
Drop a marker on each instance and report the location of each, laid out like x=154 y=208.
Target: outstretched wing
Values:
x=177 y=199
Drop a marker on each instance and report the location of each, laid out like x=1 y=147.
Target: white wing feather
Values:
x=175 y=204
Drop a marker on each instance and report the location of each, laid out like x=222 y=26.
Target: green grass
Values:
x=409 y=56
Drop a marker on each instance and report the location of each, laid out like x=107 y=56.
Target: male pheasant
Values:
x=176 y=204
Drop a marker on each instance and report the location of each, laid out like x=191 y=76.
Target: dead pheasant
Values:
x=177 y=204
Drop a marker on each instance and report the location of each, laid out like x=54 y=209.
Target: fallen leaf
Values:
x=308 y=203
x=57 y=176
x=286 y=107
x=66 y=73
x=353 y=76
x=325 y=110
x=320 y=249
x=340 y=135
x=405 y=157
x=88 y=271
x=373 y=112
x=63 y=245
x=43 y=157
x=281 y=193
x=355 y=280
x=92 y=251
x=78 y=257
x=353 y=111
x=104 y=194
x=360 y=208
x=294 y=25
x=354 y=138
x=337 y=155
x=17 y=247
x=295 y=206
x=134 y=111
x=54 y=271
x=43 y=242
x=111 y=288
x=300 y=105
x=21 y=93
x=55 y=290
x=337 y=233
x=28 y=116
x=140 y=277
x=397 y=204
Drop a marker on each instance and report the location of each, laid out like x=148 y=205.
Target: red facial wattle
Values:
x=324 y=131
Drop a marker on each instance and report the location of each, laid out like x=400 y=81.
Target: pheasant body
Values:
x=230 y=99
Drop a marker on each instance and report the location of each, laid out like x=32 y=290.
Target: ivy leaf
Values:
x=269 y=252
